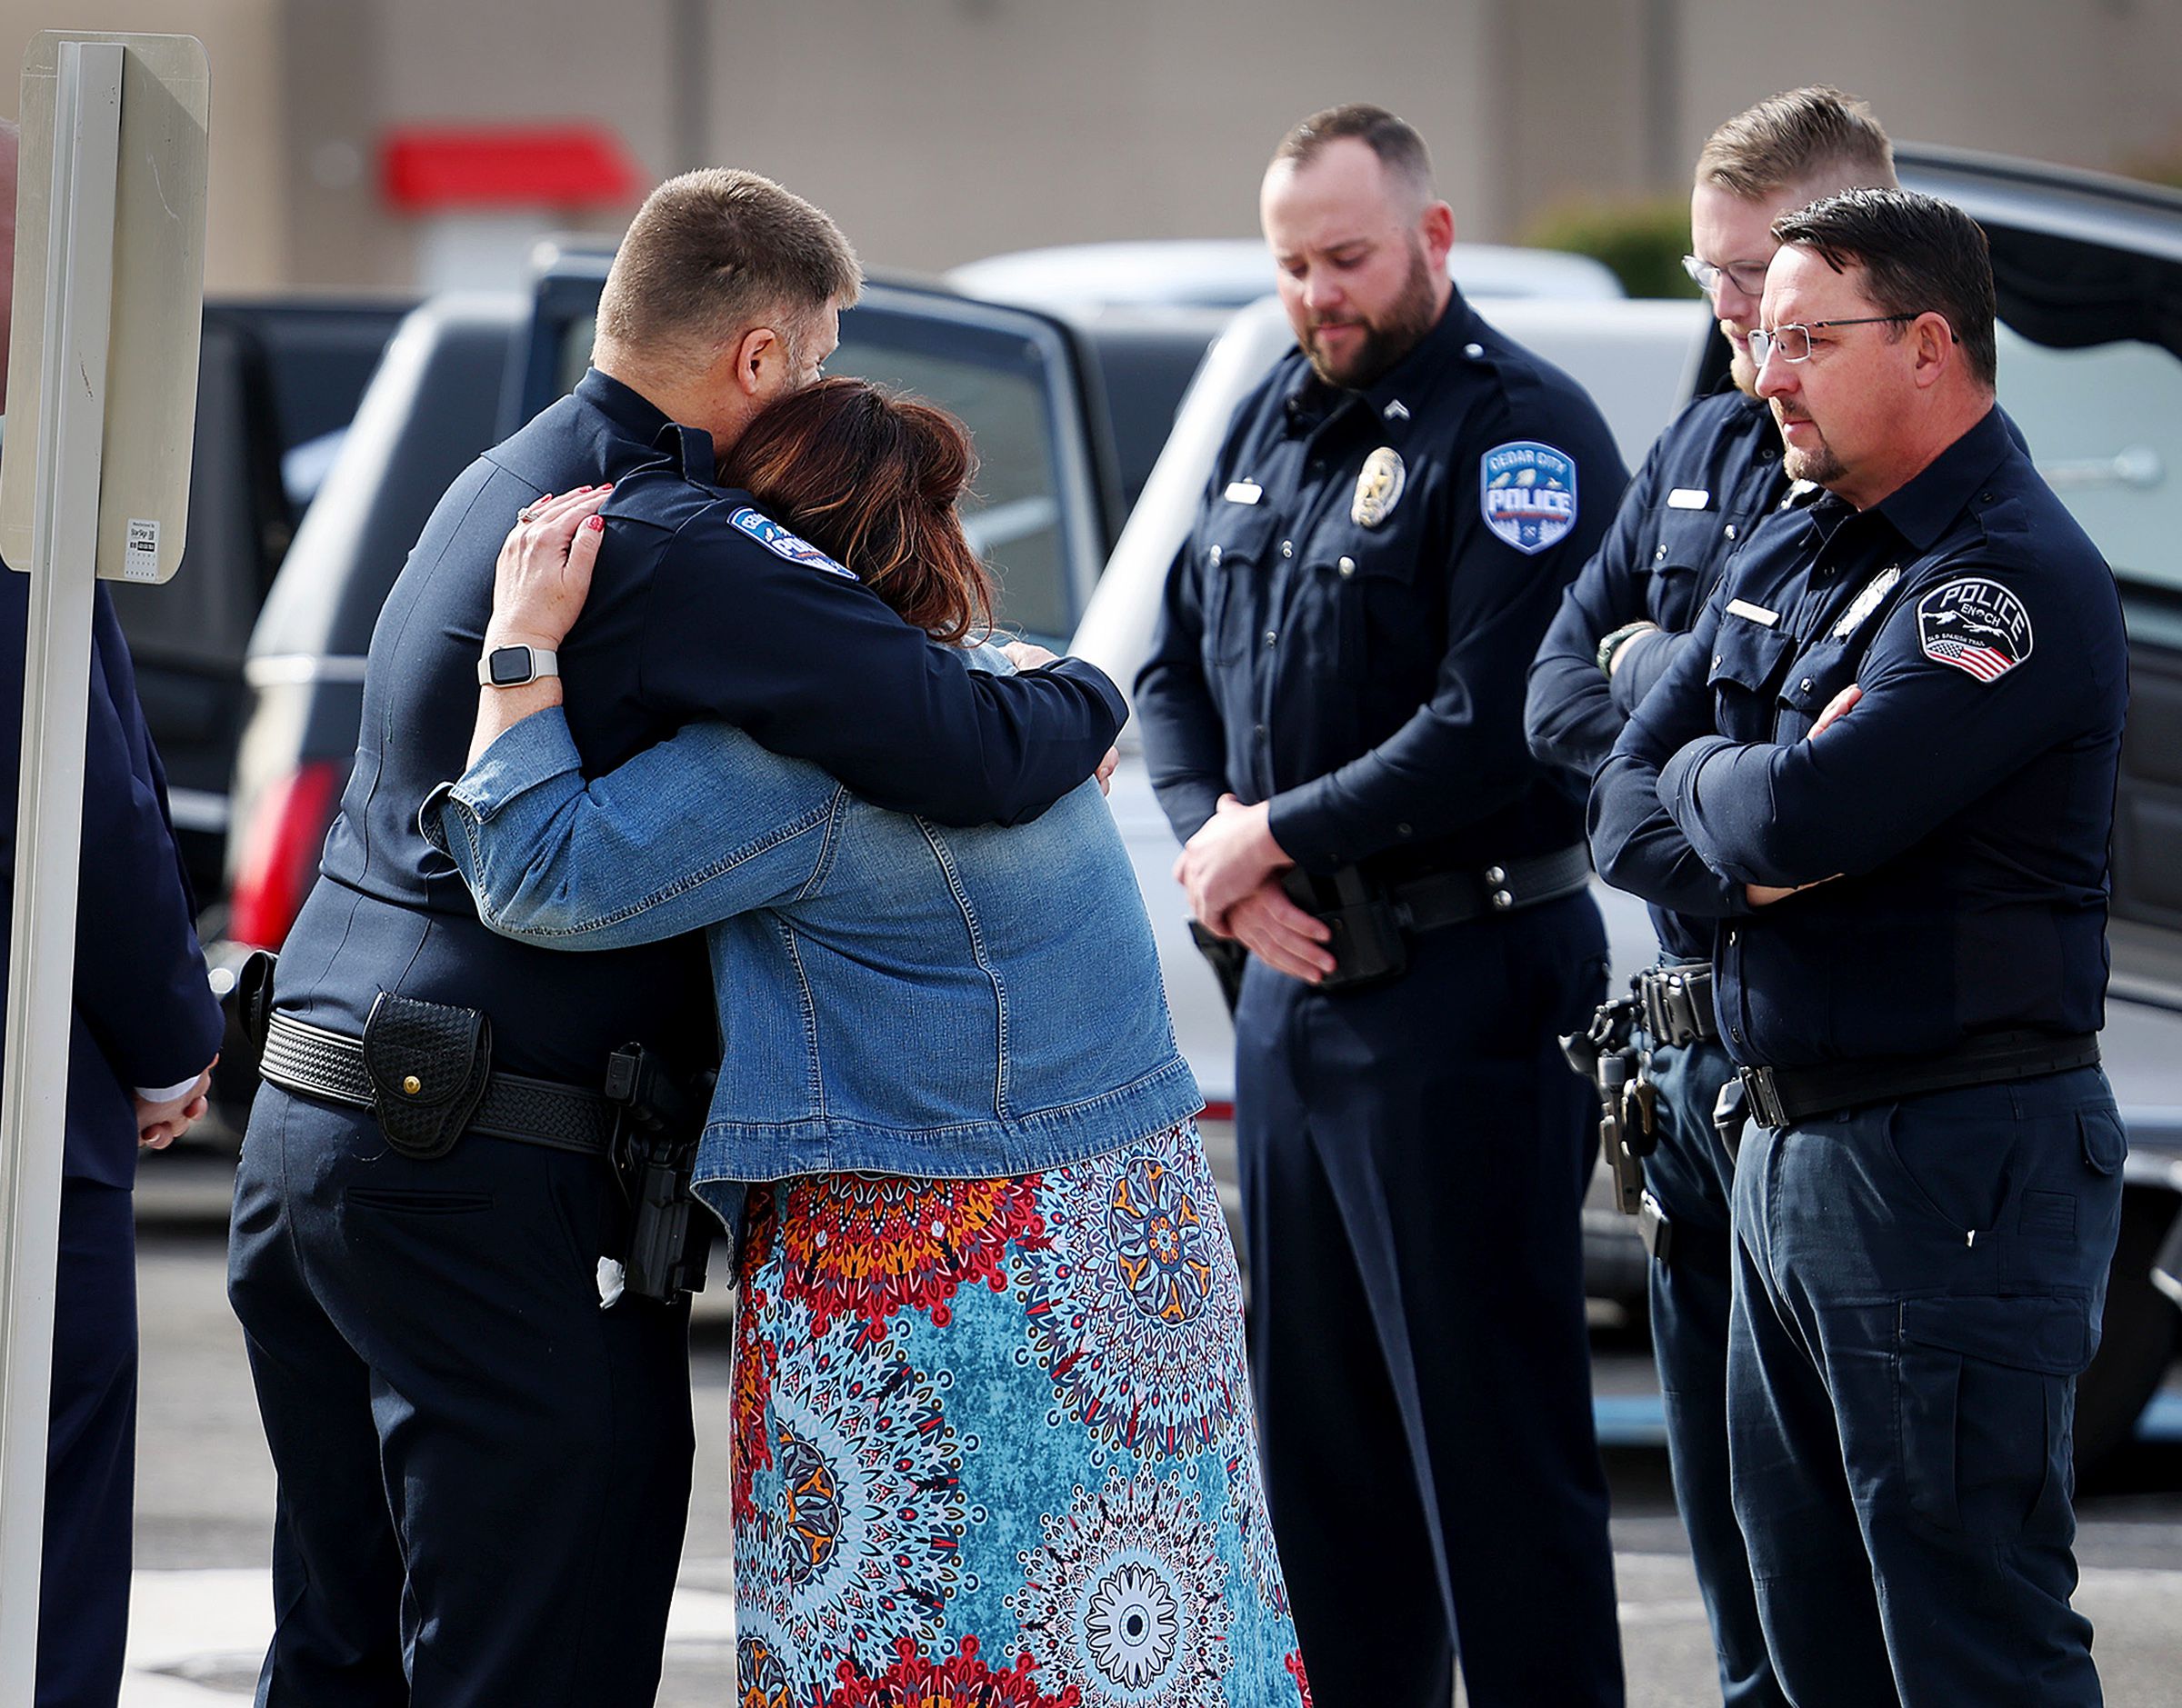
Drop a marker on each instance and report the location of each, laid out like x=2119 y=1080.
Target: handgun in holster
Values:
x=1608 y=1055
x=657 y=1119
x=1366 y=940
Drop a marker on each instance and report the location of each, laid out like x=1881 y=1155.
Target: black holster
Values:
x=1227 y=958
x=1366 y=941
x=657 y=1122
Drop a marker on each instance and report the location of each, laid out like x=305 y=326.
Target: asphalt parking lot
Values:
x=204 y=1507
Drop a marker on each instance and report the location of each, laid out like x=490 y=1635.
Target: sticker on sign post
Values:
x=140 y=554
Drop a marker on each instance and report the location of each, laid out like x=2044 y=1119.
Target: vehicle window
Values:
x=998 y=389
x=1013 y=515
x=2105 y=428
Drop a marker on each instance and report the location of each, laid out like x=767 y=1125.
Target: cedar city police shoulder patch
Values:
x=1527 y=493
x=1976 y=625
x=778 y=540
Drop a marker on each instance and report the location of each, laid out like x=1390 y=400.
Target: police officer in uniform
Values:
x=1333 y=716
x=1886 y=764
x=483 y=1475
x=1713 y=474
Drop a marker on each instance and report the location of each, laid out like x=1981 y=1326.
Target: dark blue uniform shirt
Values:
x=1345 y=633
x=692 y=615
x=1961 y=810
x=1705 y=484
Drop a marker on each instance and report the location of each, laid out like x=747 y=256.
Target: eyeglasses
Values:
x=1792 y=343
x=1746 y=276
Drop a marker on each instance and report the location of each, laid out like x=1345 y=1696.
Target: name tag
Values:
x=1755 y=613
x=1688 y=498
x=1244 y=492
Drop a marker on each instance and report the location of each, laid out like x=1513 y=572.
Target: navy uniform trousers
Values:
x=1413 y=1160
x=531 y=1486
x=1919 y=1286
x=1692 y=1176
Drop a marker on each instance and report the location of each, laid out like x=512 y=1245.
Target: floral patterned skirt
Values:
x=993 y=1446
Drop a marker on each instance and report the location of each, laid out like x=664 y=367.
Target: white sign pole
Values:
x=79 y=286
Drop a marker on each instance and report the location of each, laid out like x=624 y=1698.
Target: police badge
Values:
x=1378 y=487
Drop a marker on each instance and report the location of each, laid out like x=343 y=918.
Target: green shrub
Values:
x=1643 y=242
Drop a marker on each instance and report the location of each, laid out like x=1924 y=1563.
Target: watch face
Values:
x=511 y=667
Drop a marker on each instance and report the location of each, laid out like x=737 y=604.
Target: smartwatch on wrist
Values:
x=1614 y=641
x=514 y=666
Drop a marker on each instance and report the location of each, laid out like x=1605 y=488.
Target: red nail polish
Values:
x=595 y=523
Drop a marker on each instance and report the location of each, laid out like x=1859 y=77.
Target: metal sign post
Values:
x=81 y=295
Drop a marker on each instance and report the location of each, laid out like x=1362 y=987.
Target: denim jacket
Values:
x=894 y=995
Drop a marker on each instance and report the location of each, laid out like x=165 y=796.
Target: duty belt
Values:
x=1781 y=1096
x=1451 y=898
x=1678 y=1003
x=301 y=1057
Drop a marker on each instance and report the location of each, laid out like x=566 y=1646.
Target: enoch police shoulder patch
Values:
x=778 y=540
x=1527 y=493
x=1975 y=624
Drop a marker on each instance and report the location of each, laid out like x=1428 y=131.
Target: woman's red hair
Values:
x=872 y=478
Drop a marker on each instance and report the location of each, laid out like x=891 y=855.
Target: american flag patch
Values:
x=1976 y=625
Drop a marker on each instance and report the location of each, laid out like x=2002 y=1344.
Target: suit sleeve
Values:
x=1463 y=755
x=1636 y=844
x=140 y=978
x=815 y=666
x=1570 y=714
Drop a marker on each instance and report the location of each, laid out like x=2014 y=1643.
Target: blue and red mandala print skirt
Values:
x=993 y=1446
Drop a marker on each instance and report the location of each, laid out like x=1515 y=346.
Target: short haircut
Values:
x=1401 y=151
x=872 y=478
x=1816 y=136
x=714 y=253
x=1919 y=256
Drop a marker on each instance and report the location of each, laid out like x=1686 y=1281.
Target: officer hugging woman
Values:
x=735 y=740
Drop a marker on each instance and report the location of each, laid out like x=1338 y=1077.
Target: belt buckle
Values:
x=1764 y=1096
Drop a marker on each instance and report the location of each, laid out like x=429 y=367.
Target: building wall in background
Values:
x=940 y=130
x=245 y=239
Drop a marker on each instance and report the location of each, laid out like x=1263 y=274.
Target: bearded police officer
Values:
x=1887 y=761
x=1713 y=474
x=483 y=1474
x=1332 y=715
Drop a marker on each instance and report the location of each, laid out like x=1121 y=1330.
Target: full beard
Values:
x=1384 y=342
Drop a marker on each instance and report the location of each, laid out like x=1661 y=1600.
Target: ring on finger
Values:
x=529 y=512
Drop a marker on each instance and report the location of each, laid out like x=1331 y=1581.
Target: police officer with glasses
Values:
x=1885 y=764
x=1712 y=477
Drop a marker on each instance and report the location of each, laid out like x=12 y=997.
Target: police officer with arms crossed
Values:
x=1333 y=716
x=1886 y=764
x=1713 y=474
x=483 y=1475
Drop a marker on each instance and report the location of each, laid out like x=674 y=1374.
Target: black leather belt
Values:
x=1451 y=898
x=301 y=1057
x=1678 y=1003
x=1781 y=1096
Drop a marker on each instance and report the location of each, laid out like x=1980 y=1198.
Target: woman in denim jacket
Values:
x=992 y=1435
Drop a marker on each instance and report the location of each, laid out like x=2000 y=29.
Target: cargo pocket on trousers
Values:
x=1983 y=1412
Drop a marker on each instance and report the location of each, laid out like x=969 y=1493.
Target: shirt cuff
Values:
x=521 y=757
x=1307 y=828
x=167 y=1094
